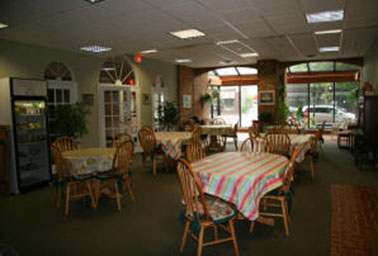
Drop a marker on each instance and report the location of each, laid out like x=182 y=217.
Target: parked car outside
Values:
x=325 y=113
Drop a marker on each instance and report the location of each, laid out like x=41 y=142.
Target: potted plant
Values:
x=265 y=119
x=71 y=120
x=209 y=96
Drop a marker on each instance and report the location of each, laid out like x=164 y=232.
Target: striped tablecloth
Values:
x=171 y=142
x=241 y=178
x=89 y=160
x=302 y=142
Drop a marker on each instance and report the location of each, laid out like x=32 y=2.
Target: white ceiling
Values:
x=273 y=28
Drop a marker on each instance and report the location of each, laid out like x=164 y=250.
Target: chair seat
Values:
x=107 y=175
x=219 y=210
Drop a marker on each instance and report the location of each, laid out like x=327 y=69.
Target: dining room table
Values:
x=302 y=143
x=215 y=131
x=241 y=178
x=171 y=142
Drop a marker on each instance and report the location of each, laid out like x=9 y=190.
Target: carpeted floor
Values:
x=151 y=226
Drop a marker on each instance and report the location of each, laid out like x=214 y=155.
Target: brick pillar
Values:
x=186 y=87
x=270 y=75
x=201 y=82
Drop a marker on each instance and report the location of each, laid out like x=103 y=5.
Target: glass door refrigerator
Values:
x=30 y=149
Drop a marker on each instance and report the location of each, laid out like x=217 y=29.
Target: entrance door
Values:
x=249 y=105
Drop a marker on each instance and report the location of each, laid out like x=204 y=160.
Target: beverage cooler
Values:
x=25 y=105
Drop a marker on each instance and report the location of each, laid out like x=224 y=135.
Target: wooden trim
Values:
x=318 y=77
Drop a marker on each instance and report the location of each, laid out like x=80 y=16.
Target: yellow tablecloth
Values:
x=217 y=129
x=89 y=160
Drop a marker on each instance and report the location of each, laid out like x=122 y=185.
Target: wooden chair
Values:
x=65 y=144
x=313 y=153
x=151 y=153
x=194 y=151
x=278 y=198
x=119 y=138
x=280 y=143
x=120 y=174
x=69 y=187
x=196 y=133
x=255 y=144
x=204 y=212
x=234 y=136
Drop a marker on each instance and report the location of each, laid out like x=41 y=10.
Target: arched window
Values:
x=118 y=104
x=237 y=90
x=323 y=91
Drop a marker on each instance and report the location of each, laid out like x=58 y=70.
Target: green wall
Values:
x=370 y=70
x=27 y=61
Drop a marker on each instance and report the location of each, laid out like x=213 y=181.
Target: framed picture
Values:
x=266 y=97
x=146 y=98
x=187 y=101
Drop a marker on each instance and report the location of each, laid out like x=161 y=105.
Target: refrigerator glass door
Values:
x=32 y=144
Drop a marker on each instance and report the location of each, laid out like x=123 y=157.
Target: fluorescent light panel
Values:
x=329 y=49
x=183 y=60
x=326 y=32
x=148 y=51
x=3 y=25
x=233 y=41
x=188 y=33
x=95 y=48
x=93 y=1
x=326 y=16
x=249 y=54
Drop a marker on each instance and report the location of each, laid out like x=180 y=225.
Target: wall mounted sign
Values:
x=266 y=97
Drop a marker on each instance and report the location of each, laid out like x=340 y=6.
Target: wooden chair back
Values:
x=65 y=143
x=255 y=144
x=196 y=133
x=60 y=165
x=280 y=143
x=289 y=172
x=119 y=138
x=122 y=157
x=194 y=151
x=192 y=191
x=315 y=141
x=218 y=121
x=147 y=139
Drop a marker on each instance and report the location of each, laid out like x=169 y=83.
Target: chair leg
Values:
x=90 y=191
x=200 y=241
x=251 y=226
x=129 y=189
x=236 y=144
x=233 y=236
x=185 y=236
x=285 y=214
x=165 y=159
x=215 y=232
x=154 y=165
x=118 y=198
x=67 y=203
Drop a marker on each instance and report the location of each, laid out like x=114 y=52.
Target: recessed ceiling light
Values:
x=108 y=69
x=183 y=60
x=227 y=42
x=188 y=33
x=325 y=16
x=3 y=25
x=329 y=49
x=326 y=32
x=148 y=51
x=93 y=1
x=95 y=48
x=249 y=54
x=227 y=62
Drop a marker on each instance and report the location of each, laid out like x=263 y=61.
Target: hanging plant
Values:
x=210 y=95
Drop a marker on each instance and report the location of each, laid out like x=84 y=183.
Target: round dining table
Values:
x=241 y=178
x=172 y=142
x=89 y=160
